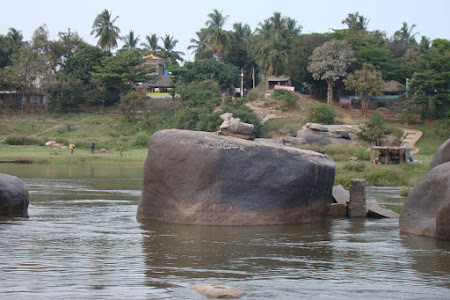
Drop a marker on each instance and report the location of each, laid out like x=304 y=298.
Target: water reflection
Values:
x=82 y=241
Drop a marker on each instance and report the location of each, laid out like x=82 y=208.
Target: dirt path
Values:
x=409 y=139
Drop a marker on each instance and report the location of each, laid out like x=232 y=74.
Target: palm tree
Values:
x=152 y=44
x=218 y=39
x=405 y=33
x=130 y=41
x=200 y=45
x=356 y=22
x=105 y=30
x=272 y=56
x=169 y=54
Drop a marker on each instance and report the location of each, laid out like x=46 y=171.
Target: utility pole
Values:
x=253 y=76
x=242 y=84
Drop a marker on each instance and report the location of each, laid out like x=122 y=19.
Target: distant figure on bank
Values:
x=72 y=148
x=121 y=149
x=92 y=148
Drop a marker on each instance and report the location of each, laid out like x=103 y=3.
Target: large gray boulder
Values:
x=427 y=209
x=14 y=197
x=442 y=155
x=202 y=178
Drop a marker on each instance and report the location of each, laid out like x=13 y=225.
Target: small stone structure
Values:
x=340 y=207
x=357 y=204
x=234 y=127
x=214 y=291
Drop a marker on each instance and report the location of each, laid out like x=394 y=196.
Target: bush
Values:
x=256 y=93
x=22 y=140
x=289 y=99
x=322 y=114
x=141 y=140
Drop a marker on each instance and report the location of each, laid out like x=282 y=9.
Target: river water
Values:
x=82 y=241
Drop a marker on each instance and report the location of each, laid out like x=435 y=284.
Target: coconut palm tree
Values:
x=218 y=39
x=200 y=46
x=105 y=30
x=152 y=43
x=130 y=41
x=356 y=22
x=171 y=56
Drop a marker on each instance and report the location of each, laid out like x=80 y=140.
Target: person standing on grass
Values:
x=92 y=148
x=121 y=149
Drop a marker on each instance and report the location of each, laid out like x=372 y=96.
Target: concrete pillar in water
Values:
x=357 y=204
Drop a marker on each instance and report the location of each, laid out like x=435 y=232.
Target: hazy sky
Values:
x=182 y=18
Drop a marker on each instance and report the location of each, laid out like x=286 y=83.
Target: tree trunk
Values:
x=330 y=92
x=364 y=106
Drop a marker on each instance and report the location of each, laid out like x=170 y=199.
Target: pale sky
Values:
x=182 y=18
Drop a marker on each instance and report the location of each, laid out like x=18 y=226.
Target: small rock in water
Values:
x=218 y=291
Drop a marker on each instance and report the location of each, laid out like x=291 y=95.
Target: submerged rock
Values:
x=218 y=291
x=202 y=178
x=14 y=197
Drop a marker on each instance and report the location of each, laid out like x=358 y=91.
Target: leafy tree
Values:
x=301 y=50
x=366 y=82
x=9 y=44
x=132 y=101
x=403 y=40
x=356 y=22
x=430 y=83
x=117 y=75
x=374 y=130
x=105 y=30
x=217 y=38
x=224 y=74
x=331 y=62
x=131 y=41
x=151 y=43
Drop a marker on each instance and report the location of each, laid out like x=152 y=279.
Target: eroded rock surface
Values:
x=14 y=197
x=202 y=178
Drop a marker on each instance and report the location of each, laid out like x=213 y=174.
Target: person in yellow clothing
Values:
x=72 y=148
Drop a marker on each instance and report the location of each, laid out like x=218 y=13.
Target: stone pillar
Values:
x=357 y=204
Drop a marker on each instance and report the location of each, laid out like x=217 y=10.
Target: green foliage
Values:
x=289 y=99
x=22 y=140
x=322 y=114
x=374 y=130
x=281 y=126
x=132 y=101
x=257 y=92
x=141 y=139
x=241 y=111
x=226 y=75
x=366 y=82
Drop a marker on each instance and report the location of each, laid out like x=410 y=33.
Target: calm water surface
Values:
x=82 y=241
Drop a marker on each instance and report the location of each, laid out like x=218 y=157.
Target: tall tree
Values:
x=200 y=45
x=356 y=22
x=218 y=39
x=403 y=39
x=366 y=82
x=273 y=42
x=105 y=30
x=170 y=55
x=131 y=41
x=331 y=62
x=151 y=43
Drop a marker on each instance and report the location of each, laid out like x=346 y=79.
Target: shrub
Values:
x=22 y=140
x=322 y=114
x=289 y=99
x=141 y=140
x=256 y=93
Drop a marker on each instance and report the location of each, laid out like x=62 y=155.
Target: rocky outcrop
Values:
x=14 y=197
x=214 y=291
x=427 y=209
x=202 y=178
x=442 y=155
x=317 y=134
